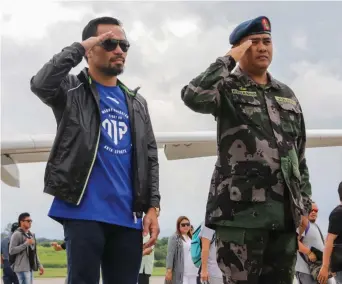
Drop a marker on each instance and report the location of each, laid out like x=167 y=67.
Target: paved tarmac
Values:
x=153 y=280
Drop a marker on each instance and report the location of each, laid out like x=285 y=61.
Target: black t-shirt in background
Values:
x=335 y=224
x=335 y=228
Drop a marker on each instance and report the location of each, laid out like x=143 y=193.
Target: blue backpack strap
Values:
x=196 y=247
x=307 y=228
x=306 y=231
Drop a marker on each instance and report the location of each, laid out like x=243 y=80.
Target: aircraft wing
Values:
x=203 y=144
x=176 y=145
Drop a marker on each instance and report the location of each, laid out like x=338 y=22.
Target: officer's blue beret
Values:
x=258 y=25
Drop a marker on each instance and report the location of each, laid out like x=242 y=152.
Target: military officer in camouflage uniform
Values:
x=260 y=187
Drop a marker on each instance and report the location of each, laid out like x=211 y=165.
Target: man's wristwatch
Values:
x=157 y=210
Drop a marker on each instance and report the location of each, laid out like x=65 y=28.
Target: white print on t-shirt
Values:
x=115 y=125
x=114 y=100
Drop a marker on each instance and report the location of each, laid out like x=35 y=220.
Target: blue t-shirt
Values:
x=109 y=194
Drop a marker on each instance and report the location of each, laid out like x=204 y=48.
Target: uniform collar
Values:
x=242 y=76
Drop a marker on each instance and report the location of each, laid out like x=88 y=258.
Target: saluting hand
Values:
x=89 y=43
x=238 y=51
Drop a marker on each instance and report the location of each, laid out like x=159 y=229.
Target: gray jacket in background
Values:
x=175 y=258
x=20 y=248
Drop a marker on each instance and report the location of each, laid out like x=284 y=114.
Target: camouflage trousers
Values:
x=255 y=256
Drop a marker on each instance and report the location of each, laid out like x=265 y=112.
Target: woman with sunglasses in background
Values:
x=180 y=268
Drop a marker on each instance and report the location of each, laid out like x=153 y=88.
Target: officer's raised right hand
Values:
x=89 y=43
x=238 y=51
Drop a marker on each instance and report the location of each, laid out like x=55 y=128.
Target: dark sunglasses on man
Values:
x=112 y=44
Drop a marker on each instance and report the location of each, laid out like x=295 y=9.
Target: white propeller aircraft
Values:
x=177 y=145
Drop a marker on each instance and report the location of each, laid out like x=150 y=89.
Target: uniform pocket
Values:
x=249 y=182
x=247 y=189
x=290 y=115
x=249 y=109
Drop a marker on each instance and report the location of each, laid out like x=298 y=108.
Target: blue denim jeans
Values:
x=25 y=277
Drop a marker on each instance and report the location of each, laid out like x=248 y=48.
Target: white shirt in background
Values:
x=213 y=268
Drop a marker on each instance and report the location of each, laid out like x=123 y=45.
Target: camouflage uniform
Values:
x=260 y=185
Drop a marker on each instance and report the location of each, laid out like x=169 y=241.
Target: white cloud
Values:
x=31 y=20
x=137 y=31
x=181 y=28
x=318 y=89
x=300 y=41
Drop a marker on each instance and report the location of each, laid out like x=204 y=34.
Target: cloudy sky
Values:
x=170 y=44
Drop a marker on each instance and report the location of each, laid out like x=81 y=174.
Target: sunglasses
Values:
x=185 y=224
x=314 y=210
x=112 y=44
x=28 y=221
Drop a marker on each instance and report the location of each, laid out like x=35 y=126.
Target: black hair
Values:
x=340 y=190
x=91 y=28
x=22 y=217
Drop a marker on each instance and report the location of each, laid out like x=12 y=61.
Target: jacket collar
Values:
x=242 y=76
x=123 y=87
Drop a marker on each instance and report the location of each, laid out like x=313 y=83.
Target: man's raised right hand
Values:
x=89 y=43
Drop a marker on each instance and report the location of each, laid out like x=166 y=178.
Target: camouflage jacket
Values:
x=261 y=143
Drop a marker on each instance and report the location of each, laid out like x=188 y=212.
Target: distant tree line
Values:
x=160 y=249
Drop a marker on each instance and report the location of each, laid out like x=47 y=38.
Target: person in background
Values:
x=147 y=262
x=332 y=254
x=23 y=247
x=8 y=275
x=310 y=249
x=180 y=268
x=209 y=271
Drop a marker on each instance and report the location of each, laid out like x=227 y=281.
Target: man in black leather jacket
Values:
x=103 y=167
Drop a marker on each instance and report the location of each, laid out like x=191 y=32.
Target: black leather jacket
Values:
x=75 y=104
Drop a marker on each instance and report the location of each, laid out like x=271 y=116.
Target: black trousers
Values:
x=144 y=278
x=93 y=245
x=8 y=275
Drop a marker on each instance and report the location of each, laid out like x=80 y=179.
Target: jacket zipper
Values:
x=130 y=99
x=97 y=145
x=134 y=161
x=90 y=169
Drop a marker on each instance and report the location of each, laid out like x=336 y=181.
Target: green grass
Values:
x=159 y=271
x=50 y=257
x=52 y=273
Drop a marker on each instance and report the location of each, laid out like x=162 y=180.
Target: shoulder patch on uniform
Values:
x=243 y=92
x=285 y=100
